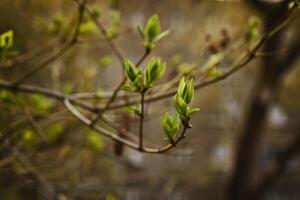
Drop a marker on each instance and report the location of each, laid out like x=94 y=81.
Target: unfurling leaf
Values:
x=186 y=90
x=135 y=109
x=180 y=106
x=132 y=71
x=141 y=82
x=152 y=32
x=184 y=96
x=152 y=28
x=170 y=124
x=155 y=69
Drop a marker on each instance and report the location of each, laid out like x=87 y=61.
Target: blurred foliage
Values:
x=40 y=103
x=6 y=46
x=7 y=99
x=95 y=141
x=55 y=130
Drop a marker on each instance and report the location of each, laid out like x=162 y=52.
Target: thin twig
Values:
x=141 y=115
x=143 y=57
x=102 y=29
x=119 y=87
x=59 y=53
x=76 y=113
x=46 y=92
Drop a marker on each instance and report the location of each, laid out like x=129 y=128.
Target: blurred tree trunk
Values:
x=270 y=75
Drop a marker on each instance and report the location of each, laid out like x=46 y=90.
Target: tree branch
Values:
x=117 y=138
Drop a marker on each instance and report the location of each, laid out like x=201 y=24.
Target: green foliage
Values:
x=28 y=137
x=68 y=88
x=134 y=109
x=116 y=17
x=183 y=98
x=253 y=29
x=55 y=130
x=40 y=103
x=143 y=81
x=213 y=72
x=7 y=98
x=95 y=141
x=186 y=68
x=95 y=12
x=214 y=60
x=114 y=28
x=134 y=74
x=7 y=39
x=170 y=125
x=105 y=61
x=176 y=60
x=99 y=93
x=27 y=134
x=294 y=3
x=186 y=90
x=110 y=196
x=57 y=24
x=155 y=69
x=152 y=32
x=6 y=44
x=87 y=28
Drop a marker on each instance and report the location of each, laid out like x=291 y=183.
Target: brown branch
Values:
x=46 y=92
x=132 y=137
x=143 y=57
x=117 y=138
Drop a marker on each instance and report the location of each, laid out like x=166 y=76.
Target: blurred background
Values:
x=46 y=153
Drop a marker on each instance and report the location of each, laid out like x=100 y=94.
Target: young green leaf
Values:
x=180 y=106
x=152 y=28
x=186 y=90
x=134 y=109
x=184 y=96
x=129 y=87
x=190 y=91
x=155 y=69
x=190 y=111
x=152 y=32
x=161 y=35
x=132 y=71
x=170 y=124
